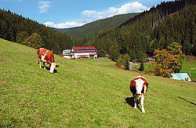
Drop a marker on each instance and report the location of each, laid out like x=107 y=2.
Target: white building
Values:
x=80 y=52
x=67 y=53
x=180 y=76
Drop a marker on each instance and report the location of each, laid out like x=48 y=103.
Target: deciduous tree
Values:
x=34 y=41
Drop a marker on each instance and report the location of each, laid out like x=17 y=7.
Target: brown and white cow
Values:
x=46 y=56
x=138 y=87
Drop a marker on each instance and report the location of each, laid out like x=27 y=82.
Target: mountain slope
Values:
x=85 y=93
x=162 y=25
x=16 y=28
x=90 y=29
x=63 y=30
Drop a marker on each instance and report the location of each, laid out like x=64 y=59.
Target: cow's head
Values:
x=53 y=66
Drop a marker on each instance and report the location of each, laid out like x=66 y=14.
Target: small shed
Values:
x=151 y=60
x=180 y=76
x=131 y=65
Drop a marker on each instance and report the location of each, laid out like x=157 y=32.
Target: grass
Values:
x=187 y=63
x=85 y=93
x=148 y=67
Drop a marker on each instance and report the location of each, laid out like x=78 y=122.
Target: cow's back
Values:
x=49 y=56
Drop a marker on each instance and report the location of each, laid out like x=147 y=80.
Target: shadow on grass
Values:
x=186 y=100
x=48 y=69
x=130 y=101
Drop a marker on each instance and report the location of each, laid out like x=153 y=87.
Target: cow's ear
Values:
x=146 y=83
x=132 y=83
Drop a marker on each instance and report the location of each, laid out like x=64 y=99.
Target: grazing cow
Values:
x=138 y=87
x=46 y=56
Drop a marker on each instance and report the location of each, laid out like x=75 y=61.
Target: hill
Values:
x=64 y=29
x=85 y=93
x=14 y=27
x=162 y=25
x=93 y=28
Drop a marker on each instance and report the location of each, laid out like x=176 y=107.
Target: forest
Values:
x=16 y=28
x=138 y=35
x=83 y=33
x=162 y=25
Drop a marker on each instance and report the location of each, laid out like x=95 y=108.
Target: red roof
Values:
x=83 y=47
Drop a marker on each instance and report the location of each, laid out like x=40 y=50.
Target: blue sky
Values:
x=73 y=13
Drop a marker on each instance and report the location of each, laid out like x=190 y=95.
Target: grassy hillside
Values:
x=189 y=62
x=85 y=93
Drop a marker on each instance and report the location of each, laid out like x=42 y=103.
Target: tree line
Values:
x=81 y=34
x=16 y=28
x=157 y=28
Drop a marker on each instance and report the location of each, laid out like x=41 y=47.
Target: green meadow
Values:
x=86 y=93
x=188 y=66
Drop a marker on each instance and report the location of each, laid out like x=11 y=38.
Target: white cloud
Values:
x=44 y=6
x=64 y=25
x=92 y=15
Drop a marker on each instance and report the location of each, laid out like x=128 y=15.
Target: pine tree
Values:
x=141 y=56
x=141 y=67
x=126 y=57
x=132 y=55
x=187 y=47
x=114 y=51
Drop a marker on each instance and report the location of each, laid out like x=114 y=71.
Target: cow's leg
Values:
x=40 y=64
x=135 y=102
x=142 y=103
x=44 y=65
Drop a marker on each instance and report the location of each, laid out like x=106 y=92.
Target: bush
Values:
x=34 y=41
x=167 y=61
x=122 y=67
x=118 y=64
x=162 y=72
x=123 y=62
x=21 y=37
x=141 y=56
x=101 y=53
x=141 y=67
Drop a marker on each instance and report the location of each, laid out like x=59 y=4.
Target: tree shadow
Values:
x=186 y=100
